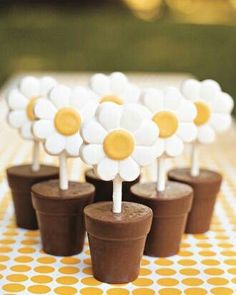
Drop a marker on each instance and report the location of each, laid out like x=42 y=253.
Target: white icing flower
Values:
x=213 y=108
x=114 y=88
x=118 y=140
x=174 y=116
x=21 y=101
x=60 y=118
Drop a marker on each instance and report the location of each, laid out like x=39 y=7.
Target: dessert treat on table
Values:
x=21 y=101
x=117 y=89
x=117 y=145
x=170 y=202
x=59 y=203
x=213 y=116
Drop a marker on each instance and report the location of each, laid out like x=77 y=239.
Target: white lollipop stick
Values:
x=161 y=174
x=117 y=195
x=63 y=172
x=195 y=171
x=35 y=160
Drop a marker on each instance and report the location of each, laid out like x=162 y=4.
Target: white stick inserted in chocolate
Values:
x=63 y=172
x=161 y=174
x=35 y=159
x=117 y=195
x=195 y=171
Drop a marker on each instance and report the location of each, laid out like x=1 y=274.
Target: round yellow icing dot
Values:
x=67 y=280
x=17 y=278
x=168 y=291
x=163 y=261
x=90 y=281
x=30 y=109
x=144 y=272
x=217 y=281
x=118 y=145
x=20 y=268
x=168 y=282
x=214 y=271
x=192 y=282
x=39 y=289
x=207 y=253
x=26 y=250
x=222 y=291
x=70 y=260
x=189 y=271
x=187 y=262
x=4 y=258
x=145 y=262
x=44 y=269
x=91 y=290
x=29 y=242
x=143 y=282
x=112 y=98
x=195 y=291
x=167 y=123
x=32 y=233
x=230 y=261
x=165 y=271
x=41 y=279
x=23 y=259
x=65 y=290
x=87 y=261
x=2 y=267
x=7 y=241
x=203 y=113
x=68 y=270
x=210 y=262
x=117 y=291
x=88 y=270
x=232 y=271
x=13 y=287
x=67 y=121
x=46 y=259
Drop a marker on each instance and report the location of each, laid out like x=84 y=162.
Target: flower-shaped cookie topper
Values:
x=117 y=141
x=114 y=88
x=174 y=116
x=59 y=121
x=214 y=109
x=21 y=101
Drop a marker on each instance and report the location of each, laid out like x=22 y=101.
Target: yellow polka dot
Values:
x=144 y=272
x=17 y=278
x=230 y=261
x=23 y=259
x=168 y=282
x=185 y=245
x=163 y=261
x=203 y=113
x=192 y=282
x=2 y=267
x=91 y=291
x=26 y=250
x=44 y=269
x=4 y=258
x=189 y=271
x=225 y=245
x=117 y=291
x=185 y=253
x=118 y=145
x=41 y=279
x=11 y=233
x=70 y=260
x=232 y=271
x=5 y=249
x=195 y=291
x=142 y=282
x=207 y=253
x=66 y=280
x=165 y=271
x=210 y=262
x=20 y=268
x=88 y=270
x=200 y=237
x=169 y=291
x=112 y=98
x=142 y=291
x=68 y=270
x=144 y=262
x=87 y=252
x=167 y=123
x=39 y=289
x=90 y=281
x=65 y=290
x=204 y=245
x=29 y=242
x=228 y=253
x=7 y=241
x=187 y=262
x=32 y=233
x=217 y=281
x=87 y=261
x=67 y=121
x=30 y=109
x=222 y=291
x=13 y=287
x=214 y=271
x=46 y=260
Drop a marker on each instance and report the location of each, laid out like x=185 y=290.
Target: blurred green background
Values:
x=134 y=35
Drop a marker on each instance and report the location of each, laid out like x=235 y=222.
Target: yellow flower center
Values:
x=112 y=98
x=118 y=145
x=30 y=109
x=203 y=113
x=167 y=123
x=67 y=121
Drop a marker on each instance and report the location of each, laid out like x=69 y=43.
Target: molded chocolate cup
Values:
x=117 y=241
x=170 y=209
x=20 y=179
x=205 y=189
x=60 y=215
x=104 y=189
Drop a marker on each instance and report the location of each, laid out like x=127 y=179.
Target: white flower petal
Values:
x=129 y=170
x=206 y=134
x=17 y=118
x=174 y=146
x=172 y=98
x=220 y=122
x=80 y=96
x=109 y=115
x=191 y=89
x=187 y=132
x=187 y=111
x=42 y=129
x=144 y=155
x=223 y=103
x=88 y=111
x=100 y=84
x=92 y=154
x=30 y=86
x=73 y=144
x=118 y=83
x=16 y=100
x=46 y=84
x=209 y=90
x=44 y=109
x=153 y=99
x=26 y=130
x=93 y=132
x=131 y=118
x=147 y=133
x=131 y=94
x=59 y=96
x=55 y=144
x=107 y=169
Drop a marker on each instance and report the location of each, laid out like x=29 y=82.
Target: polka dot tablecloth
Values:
x=206 y=263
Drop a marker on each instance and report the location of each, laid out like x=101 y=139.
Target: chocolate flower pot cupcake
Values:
x=213 y=115
x=170 y=202
x=116 y=145
x=21 y=101
x=59 y=203
x=117 y=89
